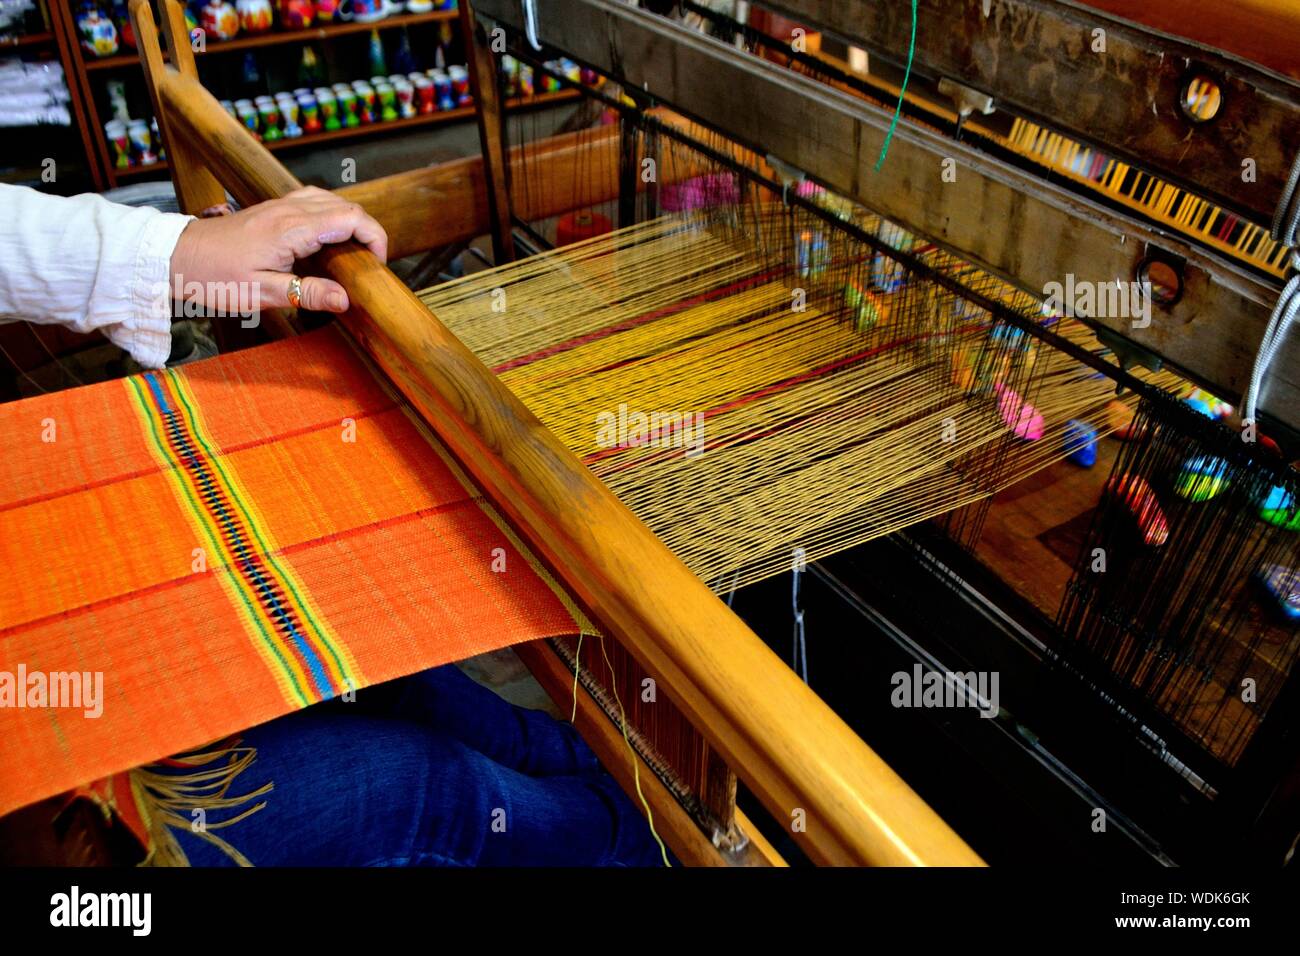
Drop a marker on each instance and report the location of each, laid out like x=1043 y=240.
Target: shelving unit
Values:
x=87 y=76
x=427 y=119
x=70 y=147
x=29 y=41
x=285 y=38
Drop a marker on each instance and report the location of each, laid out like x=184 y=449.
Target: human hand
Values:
x=250 y=254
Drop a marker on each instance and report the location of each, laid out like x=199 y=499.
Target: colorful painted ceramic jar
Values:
x=119 y=143
x=329 y=109
x=98 y=35
x=255 y=16
x=141 y=139
x=220 y=21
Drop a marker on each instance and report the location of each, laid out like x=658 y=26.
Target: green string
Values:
x=911 y=49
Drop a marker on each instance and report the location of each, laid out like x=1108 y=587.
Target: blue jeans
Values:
x=429 y=770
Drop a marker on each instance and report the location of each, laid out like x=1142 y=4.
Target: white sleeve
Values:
x=89 y=264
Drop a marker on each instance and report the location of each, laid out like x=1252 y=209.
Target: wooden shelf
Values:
x=285 y=37
x=30 y=40
x=334 y=135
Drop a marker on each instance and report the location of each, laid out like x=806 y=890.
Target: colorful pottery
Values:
x=405 y=99
x=349 y=113
x=309 y=111
x=98 y=35
x=255 y=16
x=368 y=11
x=332 y=11
x=220 y=21
x=460 y=85
x=329 y=109
x=119 y=143
x=296 y=14
x=387 y=101
x=141 y=140
x=424 y=94
x=125 y=32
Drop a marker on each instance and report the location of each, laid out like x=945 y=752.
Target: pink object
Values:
x=1023 y=419
x=702 y=192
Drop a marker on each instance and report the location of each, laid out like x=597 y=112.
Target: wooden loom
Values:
x=755 y=713
x=757 y=718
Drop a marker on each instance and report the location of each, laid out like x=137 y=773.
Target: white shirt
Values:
x=87 y=263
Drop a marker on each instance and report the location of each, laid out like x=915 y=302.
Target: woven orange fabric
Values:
x=226 y=543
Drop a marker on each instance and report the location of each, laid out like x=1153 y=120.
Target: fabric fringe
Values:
x=165 y=799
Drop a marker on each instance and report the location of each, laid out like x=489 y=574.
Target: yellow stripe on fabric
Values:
x=304 y=657
x=290 y=679
x=266 y=624
x=343 y=667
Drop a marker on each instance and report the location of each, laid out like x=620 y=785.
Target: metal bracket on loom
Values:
x=1128 y=353
x=733 y=840
x=787 y=174
x=966 y=100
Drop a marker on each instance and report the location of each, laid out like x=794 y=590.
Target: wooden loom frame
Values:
x=776 y=734
x=1210 y=332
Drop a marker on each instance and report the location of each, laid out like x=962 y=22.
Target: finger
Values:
x=323 y=295
x=319 y=295
x=350 y=221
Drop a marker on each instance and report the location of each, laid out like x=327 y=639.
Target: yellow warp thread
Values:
x=818 y=435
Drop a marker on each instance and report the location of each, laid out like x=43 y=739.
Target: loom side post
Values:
x=487 y=110
x=196 y=189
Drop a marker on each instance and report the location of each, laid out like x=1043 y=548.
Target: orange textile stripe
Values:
x=193 y=552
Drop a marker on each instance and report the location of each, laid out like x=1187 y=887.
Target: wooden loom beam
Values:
x=1038 y=58
x=796 y=755
x=437 y=205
